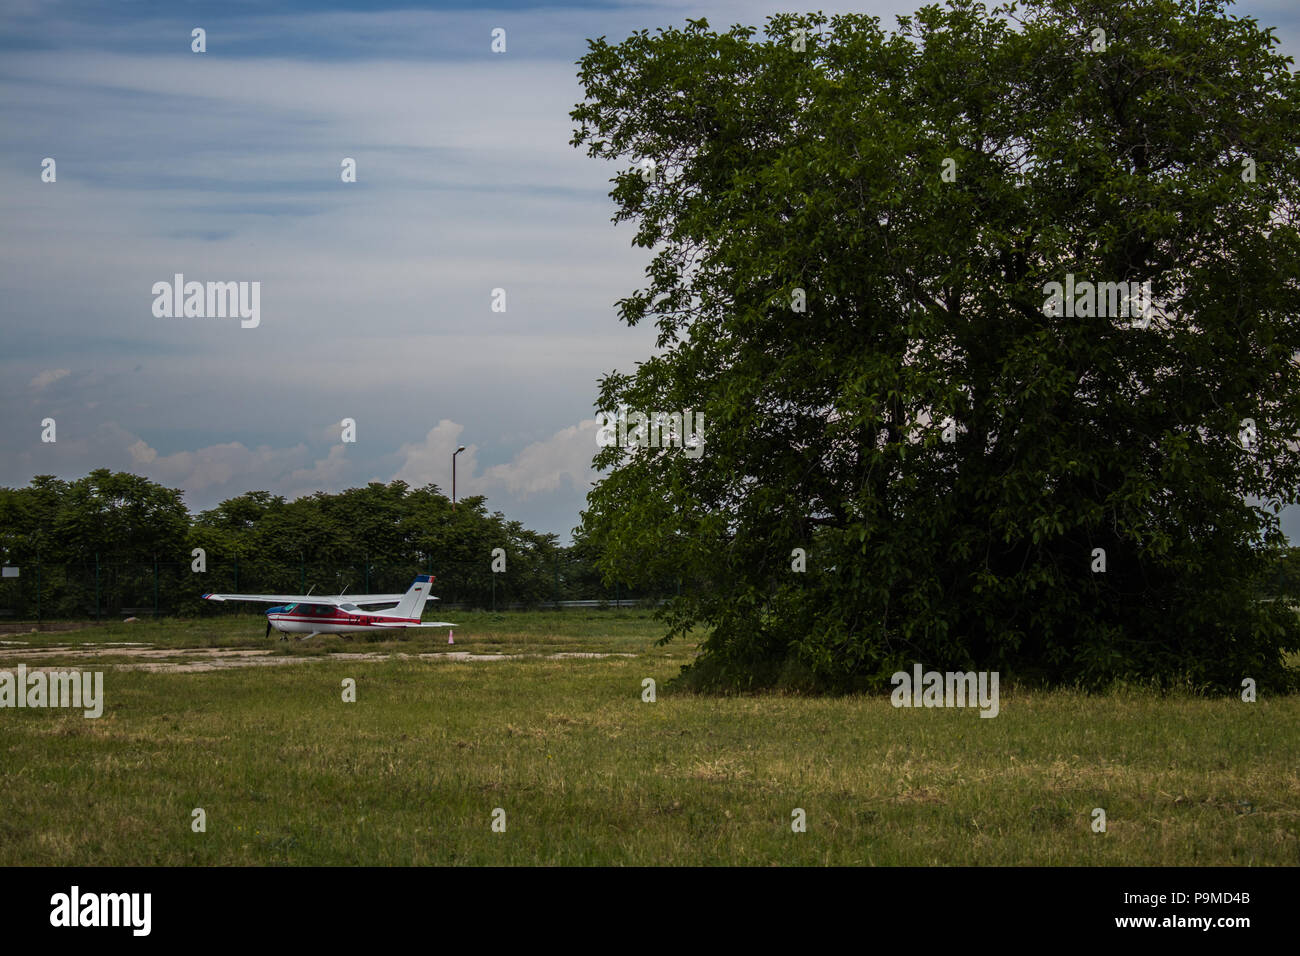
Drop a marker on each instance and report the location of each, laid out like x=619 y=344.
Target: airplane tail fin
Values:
x=412 y=603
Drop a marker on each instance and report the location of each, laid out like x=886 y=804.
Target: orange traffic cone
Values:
x=451 y=637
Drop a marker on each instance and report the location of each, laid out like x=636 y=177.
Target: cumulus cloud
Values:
x=546 y=465
x=231 y=466
x=542 y=467
x=49 y=377
x=325 y=474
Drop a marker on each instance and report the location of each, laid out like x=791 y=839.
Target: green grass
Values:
x=587 y=773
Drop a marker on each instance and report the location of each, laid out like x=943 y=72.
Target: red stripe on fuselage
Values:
x=362 y=622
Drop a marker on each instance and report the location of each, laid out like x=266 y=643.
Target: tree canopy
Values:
x=854 y=236
x=133 y=541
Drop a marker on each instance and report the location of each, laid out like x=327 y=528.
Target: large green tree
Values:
x=853 y=232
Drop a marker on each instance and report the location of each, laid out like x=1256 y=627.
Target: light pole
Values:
x=453 y=475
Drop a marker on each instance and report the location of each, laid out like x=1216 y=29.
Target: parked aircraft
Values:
x=310 y=615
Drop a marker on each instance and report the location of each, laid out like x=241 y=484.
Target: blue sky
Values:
x=375 y=295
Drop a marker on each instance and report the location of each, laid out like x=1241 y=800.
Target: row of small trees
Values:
x=112 y=541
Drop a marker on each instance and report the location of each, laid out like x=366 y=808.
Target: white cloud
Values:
x=230 y=467
x=49 y=377
x=541 y=467
x=326 y=474
x=429 y=461
x=545 y=465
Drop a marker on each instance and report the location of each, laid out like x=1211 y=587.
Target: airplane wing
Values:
x=360 y=600
x=272 y=598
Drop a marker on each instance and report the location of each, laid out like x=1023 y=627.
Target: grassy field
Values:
x=588 y=773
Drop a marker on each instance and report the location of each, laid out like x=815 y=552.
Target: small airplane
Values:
x=309 y=616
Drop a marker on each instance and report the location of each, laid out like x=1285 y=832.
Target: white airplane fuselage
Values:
x=325 y=619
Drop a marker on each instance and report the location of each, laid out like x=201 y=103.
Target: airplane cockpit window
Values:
x=288 y=608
